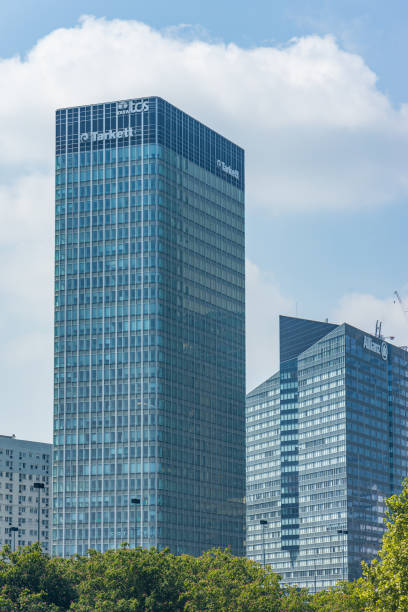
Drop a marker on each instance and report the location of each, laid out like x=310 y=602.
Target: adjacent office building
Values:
x=25 y=487
x=327 y=443
x=149 y=331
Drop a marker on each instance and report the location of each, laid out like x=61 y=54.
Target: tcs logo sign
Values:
x=132 y=106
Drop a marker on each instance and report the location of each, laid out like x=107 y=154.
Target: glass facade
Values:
x=326 y=443
x=149 y=393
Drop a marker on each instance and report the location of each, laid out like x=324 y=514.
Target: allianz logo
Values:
x=128 y=107
x=227 y=169
x=376 y=347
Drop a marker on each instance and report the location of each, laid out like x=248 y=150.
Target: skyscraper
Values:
x=327 y=442
x=149 y=331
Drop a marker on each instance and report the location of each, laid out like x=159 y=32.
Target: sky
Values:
x=314 y=90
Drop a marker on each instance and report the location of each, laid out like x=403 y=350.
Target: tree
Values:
x=384 y=587
x=130 y=580
x=148 y=580
x=30 y=578
x=345 y=598
x=26 y=602
x=219 y=582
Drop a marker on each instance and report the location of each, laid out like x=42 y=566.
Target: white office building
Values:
x=25 y=480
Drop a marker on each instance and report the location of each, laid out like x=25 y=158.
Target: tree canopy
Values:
x=140 y=580
x=384 y=587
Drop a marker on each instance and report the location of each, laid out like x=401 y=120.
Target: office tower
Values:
x=149 y=331
x=327 y=442
x=25 y=479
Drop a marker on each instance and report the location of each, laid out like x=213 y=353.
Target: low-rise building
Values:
x=25 y=481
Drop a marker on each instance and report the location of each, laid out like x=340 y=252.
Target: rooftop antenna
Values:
x=378 y=332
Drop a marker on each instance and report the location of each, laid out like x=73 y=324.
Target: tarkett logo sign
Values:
x=108 y=135
x=227 y=169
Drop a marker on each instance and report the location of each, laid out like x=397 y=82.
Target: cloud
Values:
x=26 y=243
x=26 y=362
x=317 y=131
x=318 y=134
x=26 y=208
x=26 y=321
x=363 y=310
x=265 y=302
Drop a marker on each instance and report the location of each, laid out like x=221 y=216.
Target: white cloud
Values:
x=363 y=310
x=265 y=303
x=26 y=362
x=26 y=208
x=26 y=321
x=317 y=131
x=26 y=241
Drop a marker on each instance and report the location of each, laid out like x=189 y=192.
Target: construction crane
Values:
x=403 y=307
x=404 y=311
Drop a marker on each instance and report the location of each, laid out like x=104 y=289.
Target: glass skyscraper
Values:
x=327 y=442
x=149 y=396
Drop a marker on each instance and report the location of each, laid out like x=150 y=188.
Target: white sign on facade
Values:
x=227 y=169
x=380 y=348
x=127 y=107
x=108 y=135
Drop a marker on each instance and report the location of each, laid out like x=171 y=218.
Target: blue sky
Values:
x=314 y=90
